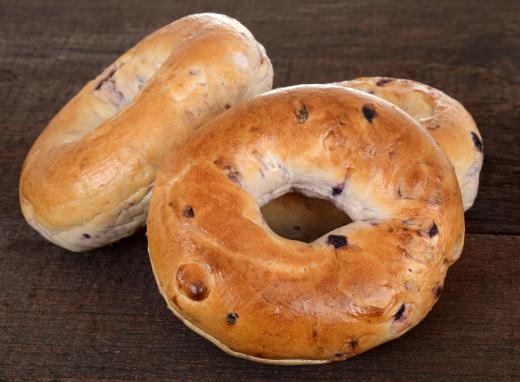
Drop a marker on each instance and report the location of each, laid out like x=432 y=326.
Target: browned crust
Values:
x=99 y=155
x=280 y=301
x=443 y=117
x=446 y=119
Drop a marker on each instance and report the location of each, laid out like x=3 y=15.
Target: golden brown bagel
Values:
x=87 y=180
x=444 y=118
x=294 y=216
x=269 y=299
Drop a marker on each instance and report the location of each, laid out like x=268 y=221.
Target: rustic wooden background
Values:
x=99 y=316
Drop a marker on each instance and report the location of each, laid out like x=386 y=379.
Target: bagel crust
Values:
x=87 y=179
x=448 y=122
x=260 y=296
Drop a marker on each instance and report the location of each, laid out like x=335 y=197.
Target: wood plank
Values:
x=308 y=43
x=100 y=316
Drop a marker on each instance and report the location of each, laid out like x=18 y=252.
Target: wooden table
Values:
x=99 y=315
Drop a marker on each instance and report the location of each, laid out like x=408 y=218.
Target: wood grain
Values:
x=99 y=316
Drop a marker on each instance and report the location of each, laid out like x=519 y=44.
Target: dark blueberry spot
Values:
x=231 y=318
x=338 y=189
x=297 y=227
x=434 y=230
x=337 y=241
x=399 y=313
x=301 y=113
x=437 y=290
x=227 y=106
x=477 y=141
x=188 y=212
x=369 y=112
x=384 y=81
x=86 y=236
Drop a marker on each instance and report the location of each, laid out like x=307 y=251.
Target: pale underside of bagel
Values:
x=87 y=180
x=268 y=299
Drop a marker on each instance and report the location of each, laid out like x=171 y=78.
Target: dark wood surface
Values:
x=99 y=316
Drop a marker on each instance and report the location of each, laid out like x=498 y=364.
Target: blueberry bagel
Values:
x=87 y=180
x=448 y=122
x=259 y=296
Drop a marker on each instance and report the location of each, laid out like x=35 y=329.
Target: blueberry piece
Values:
x=437 y=290
x=399 y=313
x=434 y=230
x=337 y=241
x=188 y=212
x=384 y=81
x=477 y=141
x=369 y=112
x=338 y=189
x=231 y=318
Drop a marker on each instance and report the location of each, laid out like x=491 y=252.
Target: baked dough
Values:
x=260 y=296
x=87 y=180
x=294 y=216
x=448 y=122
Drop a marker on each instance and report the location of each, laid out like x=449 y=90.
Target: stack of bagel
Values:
x=298 y=225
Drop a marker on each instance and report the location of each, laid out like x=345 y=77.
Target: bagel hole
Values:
x=298 y=217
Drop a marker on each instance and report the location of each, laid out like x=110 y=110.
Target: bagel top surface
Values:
x=266 y=298
x=87 y=179
x=446 y=120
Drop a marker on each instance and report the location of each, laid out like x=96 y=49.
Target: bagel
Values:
x=448 y=122
x=262 y=297
x=297 y=217
x=87 y=180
